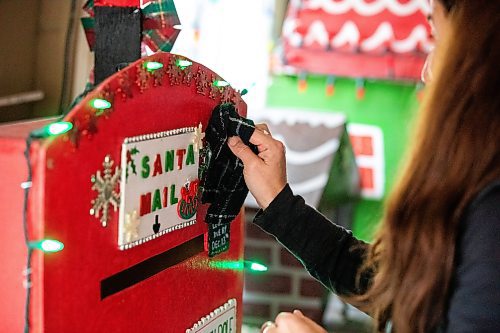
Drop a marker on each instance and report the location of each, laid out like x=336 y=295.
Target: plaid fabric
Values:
x=161 y=39
x=223 y=184
x=160 y=17
x=158 y=31
x=88 y=24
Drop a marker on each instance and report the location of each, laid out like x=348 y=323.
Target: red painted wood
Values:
x=66 y=289
x=118 y=3
x=350 y=60
x=13 y=251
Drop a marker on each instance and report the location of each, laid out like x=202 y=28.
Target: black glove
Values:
x=223 y=184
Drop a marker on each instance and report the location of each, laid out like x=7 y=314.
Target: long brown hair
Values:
x=455 y=153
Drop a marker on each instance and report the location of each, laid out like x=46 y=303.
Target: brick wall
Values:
x=287 y=286
x=284 y=287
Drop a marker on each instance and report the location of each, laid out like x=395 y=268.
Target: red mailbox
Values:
x=119 y=191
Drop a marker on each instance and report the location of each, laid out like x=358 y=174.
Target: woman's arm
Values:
x=329 y=252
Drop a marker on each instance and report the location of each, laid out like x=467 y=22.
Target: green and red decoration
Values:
x=189 y=200
x=160 y=23
x=93 y=284
x=136 y=79
x=379 y=39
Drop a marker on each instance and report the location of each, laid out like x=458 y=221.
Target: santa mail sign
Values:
x=159 y=184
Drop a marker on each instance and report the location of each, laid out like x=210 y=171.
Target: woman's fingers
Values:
x=265 y=173
x=284 y=318
x=298 y=312
x=260 y=138
x=308 y=320
x=264 y=141
x=266 y=156
x=268 y=327
x=287 y=322
x=242 y=151
x=263 y=127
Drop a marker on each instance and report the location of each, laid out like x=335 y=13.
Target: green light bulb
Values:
x=231 y=265
x=182 y=63
x=47 y=245
x=100 y=104
x=56 y=128
x=220 y=83
x=50 y=245
x=59 y=128
x=153 y=65
x=256 y=267
x=239 y=266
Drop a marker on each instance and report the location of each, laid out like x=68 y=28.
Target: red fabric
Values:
x=66 y=286
x=12 y=249
x=381 y=60
x=13 y=252
x=356 y=65
x=118 y=3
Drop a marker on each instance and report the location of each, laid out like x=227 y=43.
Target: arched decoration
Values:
x=112 y=275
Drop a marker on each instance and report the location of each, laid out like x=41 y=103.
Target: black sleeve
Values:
x=329 y=252
x=475 y=299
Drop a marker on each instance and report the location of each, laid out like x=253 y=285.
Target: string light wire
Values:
x=27 y=271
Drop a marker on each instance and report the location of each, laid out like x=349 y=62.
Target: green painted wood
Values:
x=388 y=105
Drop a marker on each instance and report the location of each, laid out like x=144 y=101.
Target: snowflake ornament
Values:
x=198 y=136
x=106 y=191
x=131 y=226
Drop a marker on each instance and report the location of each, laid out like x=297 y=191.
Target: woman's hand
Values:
x=265 y=173
x=295 y=322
